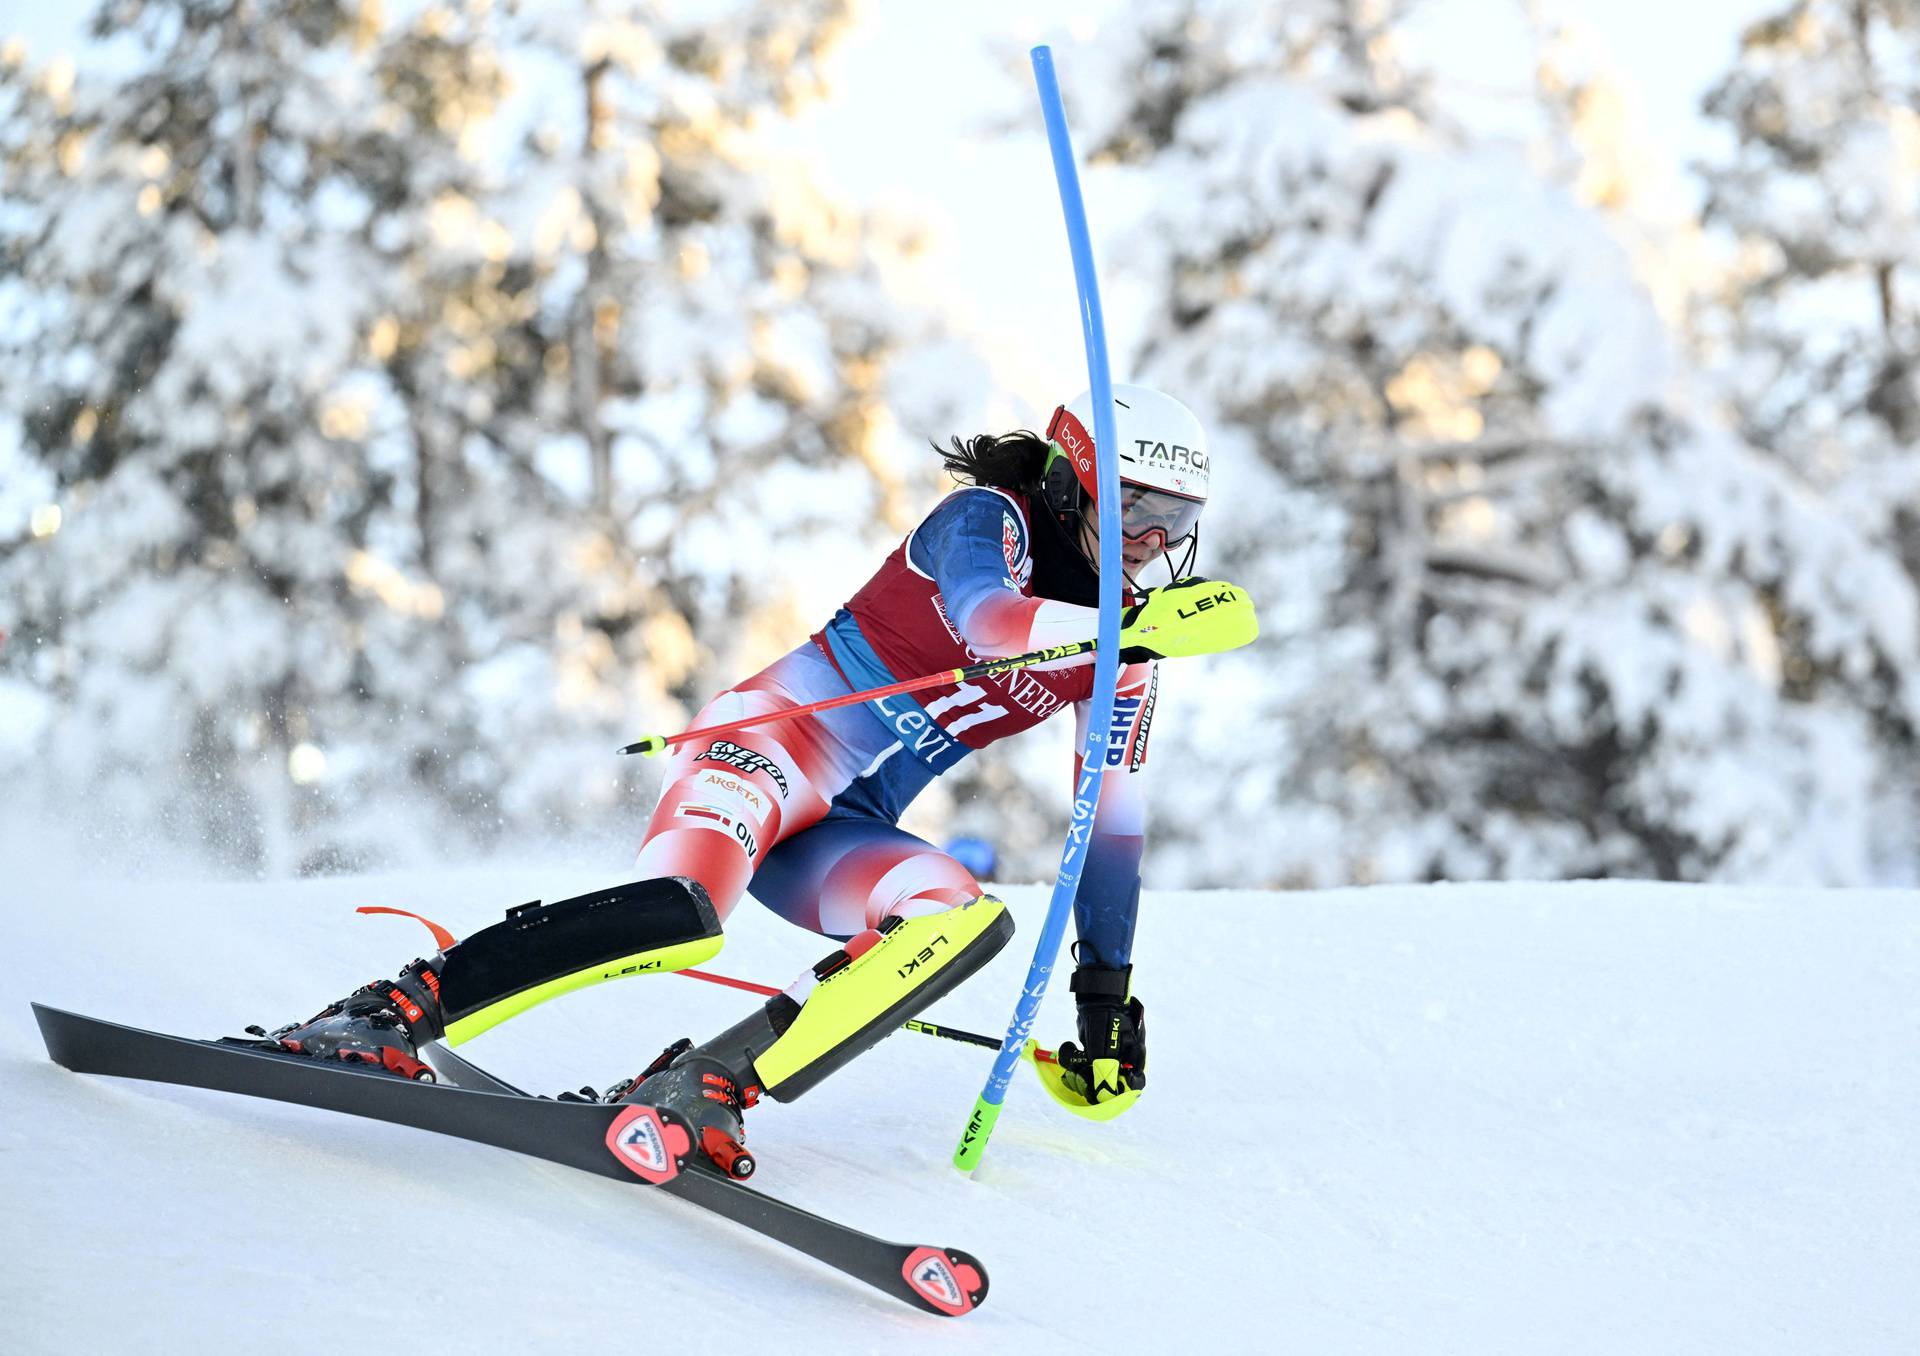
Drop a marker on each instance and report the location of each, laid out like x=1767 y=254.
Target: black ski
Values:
x=631 y=1144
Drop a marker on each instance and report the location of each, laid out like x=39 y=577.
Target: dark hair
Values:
x=1004 y=461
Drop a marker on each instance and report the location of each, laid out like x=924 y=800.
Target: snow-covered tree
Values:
x=1528 y=609
x=1818 y=321
x=426 y=402
x=1822 y=194
x=673 y=375
x=718 y=395
x=193 y=256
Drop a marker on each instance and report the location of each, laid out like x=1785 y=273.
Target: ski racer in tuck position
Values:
x=805 y=813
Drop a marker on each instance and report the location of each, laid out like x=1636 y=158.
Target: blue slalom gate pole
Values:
x=1106 y=666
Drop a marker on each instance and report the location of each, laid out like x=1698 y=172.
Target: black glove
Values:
x=1112 y=1055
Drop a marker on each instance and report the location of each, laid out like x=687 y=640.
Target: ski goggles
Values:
x=1144 y=510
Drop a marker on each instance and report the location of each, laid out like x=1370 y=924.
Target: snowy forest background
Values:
x=401 y=407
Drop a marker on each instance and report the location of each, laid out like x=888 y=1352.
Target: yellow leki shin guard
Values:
x=859 y=999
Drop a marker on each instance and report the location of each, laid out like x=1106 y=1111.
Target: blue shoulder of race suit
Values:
x=972 y=545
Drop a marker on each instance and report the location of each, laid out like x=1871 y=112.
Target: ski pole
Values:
x=1045 y=1056
x=1040 y=1052
x=989 y=668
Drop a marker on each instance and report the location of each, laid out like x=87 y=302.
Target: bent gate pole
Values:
x=1106 y=669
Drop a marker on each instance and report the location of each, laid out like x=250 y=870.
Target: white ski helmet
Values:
x=1163 y=462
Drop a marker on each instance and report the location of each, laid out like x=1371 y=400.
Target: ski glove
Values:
x=1187 y=617
x=1111 y=1059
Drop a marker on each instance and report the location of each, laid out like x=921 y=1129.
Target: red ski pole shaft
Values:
x=991 y=668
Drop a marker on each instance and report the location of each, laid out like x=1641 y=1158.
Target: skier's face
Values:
x=1152 y=522
x=1135 y=553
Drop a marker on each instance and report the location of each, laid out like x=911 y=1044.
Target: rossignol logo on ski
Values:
x=934 y=1279
x=648 y=1145
x=948 y=1284
x=725 y=751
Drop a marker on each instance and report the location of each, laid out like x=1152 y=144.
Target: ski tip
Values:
x=945 y=1280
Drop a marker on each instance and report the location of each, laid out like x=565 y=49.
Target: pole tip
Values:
x=647 y=744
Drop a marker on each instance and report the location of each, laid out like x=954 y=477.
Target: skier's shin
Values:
x=785 y=1047
x=541 y=951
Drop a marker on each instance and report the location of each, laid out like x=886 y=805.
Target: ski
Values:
x=634 y=1144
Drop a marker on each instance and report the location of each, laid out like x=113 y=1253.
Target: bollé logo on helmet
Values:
x=1067 y=433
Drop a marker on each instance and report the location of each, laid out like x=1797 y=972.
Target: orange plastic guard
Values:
x=441 y=937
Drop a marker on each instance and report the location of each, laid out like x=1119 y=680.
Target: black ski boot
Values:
x=383 y=1024
x=705 y=1094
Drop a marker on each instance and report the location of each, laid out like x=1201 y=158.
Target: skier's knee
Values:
x=946 y=885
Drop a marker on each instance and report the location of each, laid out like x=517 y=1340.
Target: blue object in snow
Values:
x=976 y=854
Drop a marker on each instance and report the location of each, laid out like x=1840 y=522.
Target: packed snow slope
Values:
x=1516 y=1118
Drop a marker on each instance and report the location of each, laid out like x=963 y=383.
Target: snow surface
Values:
x=1569 y=1118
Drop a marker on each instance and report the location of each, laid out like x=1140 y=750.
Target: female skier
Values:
x=804 y=813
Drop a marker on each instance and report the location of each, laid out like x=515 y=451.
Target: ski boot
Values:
x=704 y=1093
x=832 y=1013
x=383 y=1024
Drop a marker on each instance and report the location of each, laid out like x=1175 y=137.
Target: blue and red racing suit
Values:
x=805 y=813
